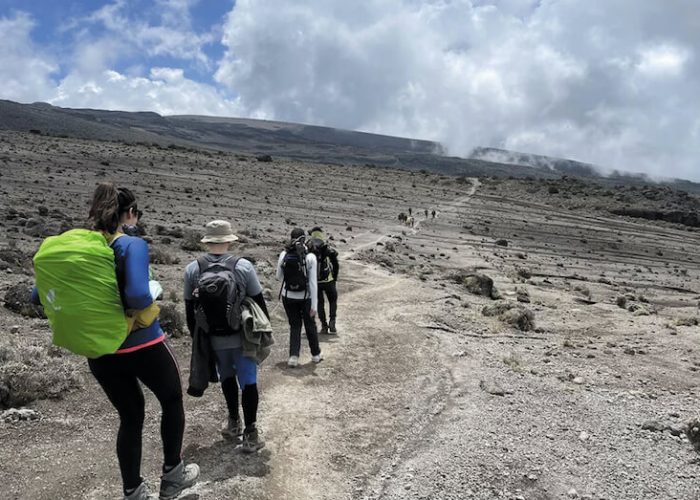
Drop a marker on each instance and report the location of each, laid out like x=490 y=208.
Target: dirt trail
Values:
x=330 y=428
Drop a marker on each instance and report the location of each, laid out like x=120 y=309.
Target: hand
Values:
x=312 y=313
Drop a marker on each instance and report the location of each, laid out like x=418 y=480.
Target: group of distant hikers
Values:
x=96 y=290
x=409 y=220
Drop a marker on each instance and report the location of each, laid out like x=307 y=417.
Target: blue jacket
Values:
x=131 y=260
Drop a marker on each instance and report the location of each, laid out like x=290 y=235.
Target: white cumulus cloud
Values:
x=613 y=83
x=25 y=71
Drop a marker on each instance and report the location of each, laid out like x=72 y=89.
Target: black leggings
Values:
x=332 y=293
x=298 y=313
x=119 y=376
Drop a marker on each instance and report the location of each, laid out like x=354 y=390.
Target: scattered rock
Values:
x=18 y=300
x=522 y=295
x=502 y=243
x=480 y=284
x=18 y=415
x=687 y=321
x=264 y=158
x=493 y=388
x=653 y=426
x=35 y=227
x=692 y=430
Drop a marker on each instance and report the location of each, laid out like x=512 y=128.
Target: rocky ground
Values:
x=521 y=345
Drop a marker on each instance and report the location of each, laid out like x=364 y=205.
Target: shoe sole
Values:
x=231 y=437
x=258 y=447
x=172 y=496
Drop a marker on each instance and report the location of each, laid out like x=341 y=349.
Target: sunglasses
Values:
x=134 y=210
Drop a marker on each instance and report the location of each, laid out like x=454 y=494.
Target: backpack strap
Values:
x=231 y=263
x=203 y=264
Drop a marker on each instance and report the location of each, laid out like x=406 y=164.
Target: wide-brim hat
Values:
x=218 y=231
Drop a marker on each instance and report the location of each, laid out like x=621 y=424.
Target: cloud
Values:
x=165 y=91
x=25 y=71
x=88 y=78
x=614 y=84
x=171 y=36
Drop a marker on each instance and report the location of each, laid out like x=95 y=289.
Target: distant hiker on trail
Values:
x=410 y=211
x=426 y=213
x=433 y=214
x=328 y=269
x=296 y=268
x=222 y=293
x=111 y=318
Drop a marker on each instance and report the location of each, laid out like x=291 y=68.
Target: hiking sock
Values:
x=230 y=389
x=250 y=404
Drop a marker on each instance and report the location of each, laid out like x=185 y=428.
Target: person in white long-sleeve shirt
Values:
x=299 y=295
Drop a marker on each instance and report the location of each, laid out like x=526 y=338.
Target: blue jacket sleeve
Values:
x=137 y=295
x=35 y=297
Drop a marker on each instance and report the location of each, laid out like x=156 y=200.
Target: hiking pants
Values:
x=298 y=313
x=332 y=293
x=119 y=376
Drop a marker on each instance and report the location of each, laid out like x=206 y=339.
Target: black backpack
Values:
x=219 y=297
x=320 y=249
x=294 y=268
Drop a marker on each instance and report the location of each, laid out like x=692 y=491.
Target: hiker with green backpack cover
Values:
x=94 y=287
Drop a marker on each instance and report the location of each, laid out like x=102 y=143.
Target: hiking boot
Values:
x=293 y=361
x=331 y=328
x=233 y=430
x=252 y=441
x=177 y=480
x=318 y=358
x=324 y=329
x=141 y=493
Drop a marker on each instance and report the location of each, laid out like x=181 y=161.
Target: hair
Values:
x=108 y=205
x=297 y=233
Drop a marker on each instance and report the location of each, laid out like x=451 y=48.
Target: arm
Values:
x=260 y=300
x=189 y=314
x=280 y=273
x=190 y=301
x=333 y=257
x=313 y=280
x=253 y=288
x=137 y=294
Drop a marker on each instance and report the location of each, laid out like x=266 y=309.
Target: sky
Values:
x=615 y=83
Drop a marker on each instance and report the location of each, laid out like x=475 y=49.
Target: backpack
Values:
x=320 y=249
x=77 y=285
x=219 y=297
x=294 y=268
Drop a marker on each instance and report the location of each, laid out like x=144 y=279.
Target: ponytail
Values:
x=108 y=204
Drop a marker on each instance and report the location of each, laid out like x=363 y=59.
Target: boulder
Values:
x=18 y=300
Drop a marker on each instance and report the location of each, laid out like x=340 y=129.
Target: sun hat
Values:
x=218 y=231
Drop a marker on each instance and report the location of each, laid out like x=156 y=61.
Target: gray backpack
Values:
x=219 y=297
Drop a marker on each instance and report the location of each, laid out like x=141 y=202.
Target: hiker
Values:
x=426 y=213
x=328 y=269
x=433 y=214
x=296 y=268
x=123 y=350
x=218 y=286
x=410 y=211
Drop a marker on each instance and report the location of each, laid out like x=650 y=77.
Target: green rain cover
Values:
x=77 y=284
